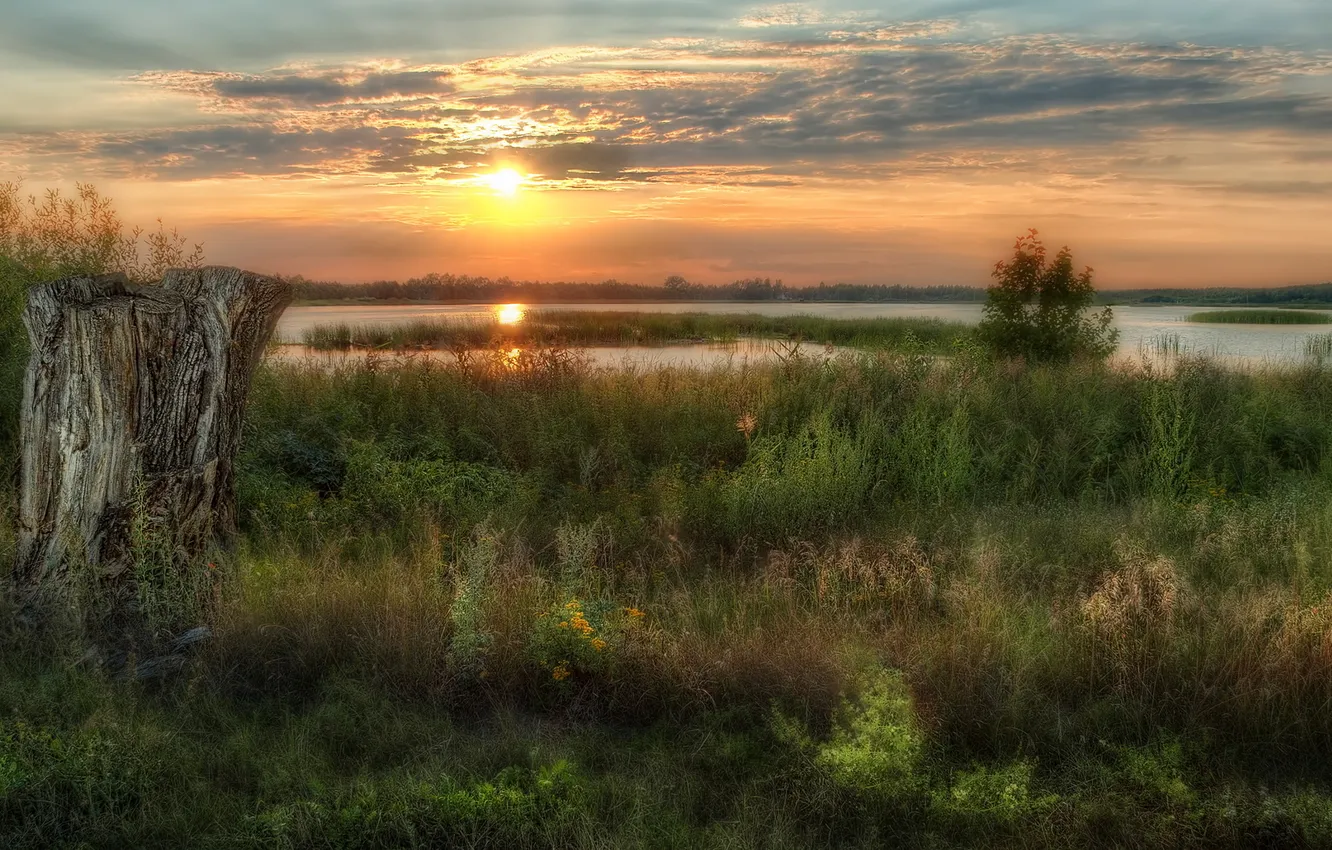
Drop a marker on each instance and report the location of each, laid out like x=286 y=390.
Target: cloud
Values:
x=775 y=110
x=331 y=88
x=791 y=15
x=82 y=42
x=254 y=150
x=593 y=161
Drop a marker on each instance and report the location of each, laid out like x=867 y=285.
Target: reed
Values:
x=1262 y=317
x=584 y=328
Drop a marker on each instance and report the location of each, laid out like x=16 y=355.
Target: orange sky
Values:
x=804 y=142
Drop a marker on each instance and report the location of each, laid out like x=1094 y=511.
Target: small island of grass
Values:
x=585 y=328
x=1262 y=317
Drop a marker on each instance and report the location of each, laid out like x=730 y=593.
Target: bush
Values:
x=1036 y=311
x=520 y=808
x=985 y=798
x=876 y=749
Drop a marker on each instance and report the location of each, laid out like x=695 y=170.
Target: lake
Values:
x=1139 y=326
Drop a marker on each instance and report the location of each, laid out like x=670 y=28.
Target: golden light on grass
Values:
x=509 y=314
x=506 y=181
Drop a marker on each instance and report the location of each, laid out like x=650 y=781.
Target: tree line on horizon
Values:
x=479 y=288
x=470 y=288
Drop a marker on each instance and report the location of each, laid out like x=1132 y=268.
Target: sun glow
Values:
x=509 y=314
x=506 y=181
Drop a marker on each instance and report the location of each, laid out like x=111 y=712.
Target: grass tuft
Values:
x=1262 y=317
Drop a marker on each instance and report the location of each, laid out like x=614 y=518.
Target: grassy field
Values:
x=1262 y=317
x=886 y=600
x=582 y=328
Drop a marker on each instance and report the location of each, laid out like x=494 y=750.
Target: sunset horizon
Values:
x=809 y=143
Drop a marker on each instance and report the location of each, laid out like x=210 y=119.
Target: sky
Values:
x=1166 y=142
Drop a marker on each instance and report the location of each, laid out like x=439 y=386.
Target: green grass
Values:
x=1262 y=317
x=583 y=328
x=886 y=599
x=882 y=599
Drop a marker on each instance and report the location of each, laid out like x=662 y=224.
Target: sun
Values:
x=509 y=314
x=506 y=181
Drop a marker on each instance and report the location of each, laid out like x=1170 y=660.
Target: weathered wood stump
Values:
x=132 y=410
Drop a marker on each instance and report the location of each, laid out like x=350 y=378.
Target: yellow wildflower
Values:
x=561 y=672
x=598 y=644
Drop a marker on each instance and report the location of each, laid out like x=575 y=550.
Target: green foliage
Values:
x=577 y=328
x=53 y=781
x=380 y=488
x=473 y=573
x=834 y=447
x=957 y=520
x=519 y=808
x=989 y=798
x=577 y=637
x=1262 y=317
x=934 y=450
x=1170 y=423
x=172 y=595
x=582 y=629
x=876 y=749
x=365 y=486
x=1037 y=309
x=799 y=483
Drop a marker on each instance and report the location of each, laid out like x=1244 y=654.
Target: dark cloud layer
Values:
x=331 y=88
x=775 y=107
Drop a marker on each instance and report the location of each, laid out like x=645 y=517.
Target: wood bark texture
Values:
x=133 y=404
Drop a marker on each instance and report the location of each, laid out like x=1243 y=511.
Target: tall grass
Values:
x=879 y=599
x=1262 y=317
x=579 y=328
x=889 y=429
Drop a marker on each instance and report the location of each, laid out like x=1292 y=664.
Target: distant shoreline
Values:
x=1100 y=302
x=455 y=290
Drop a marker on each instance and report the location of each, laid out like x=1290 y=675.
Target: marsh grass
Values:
x=584 y=328
x=882 y=599
x=1262 y=317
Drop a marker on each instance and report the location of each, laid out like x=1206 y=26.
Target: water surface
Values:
x=1139 y=326
x=741 y=353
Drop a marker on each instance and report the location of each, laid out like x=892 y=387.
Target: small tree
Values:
x=1038 y=308
x=677 y=284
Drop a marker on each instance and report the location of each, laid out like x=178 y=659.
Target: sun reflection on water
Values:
x=509 y=314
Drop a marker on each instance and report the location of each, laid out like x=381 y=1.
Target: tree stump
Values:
x=133 y=404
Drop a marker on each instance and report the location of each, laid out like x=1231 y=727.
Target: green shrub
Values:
x=876 y=748
x=984 y=798
x=1262 y=317
x=932 y=450
x=55 y=783
x=519 y=808
x=576 y=636
x=1036 y=311
x=800 y=483
x=473 y=571
x=382 y=488
x=1170 y=422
